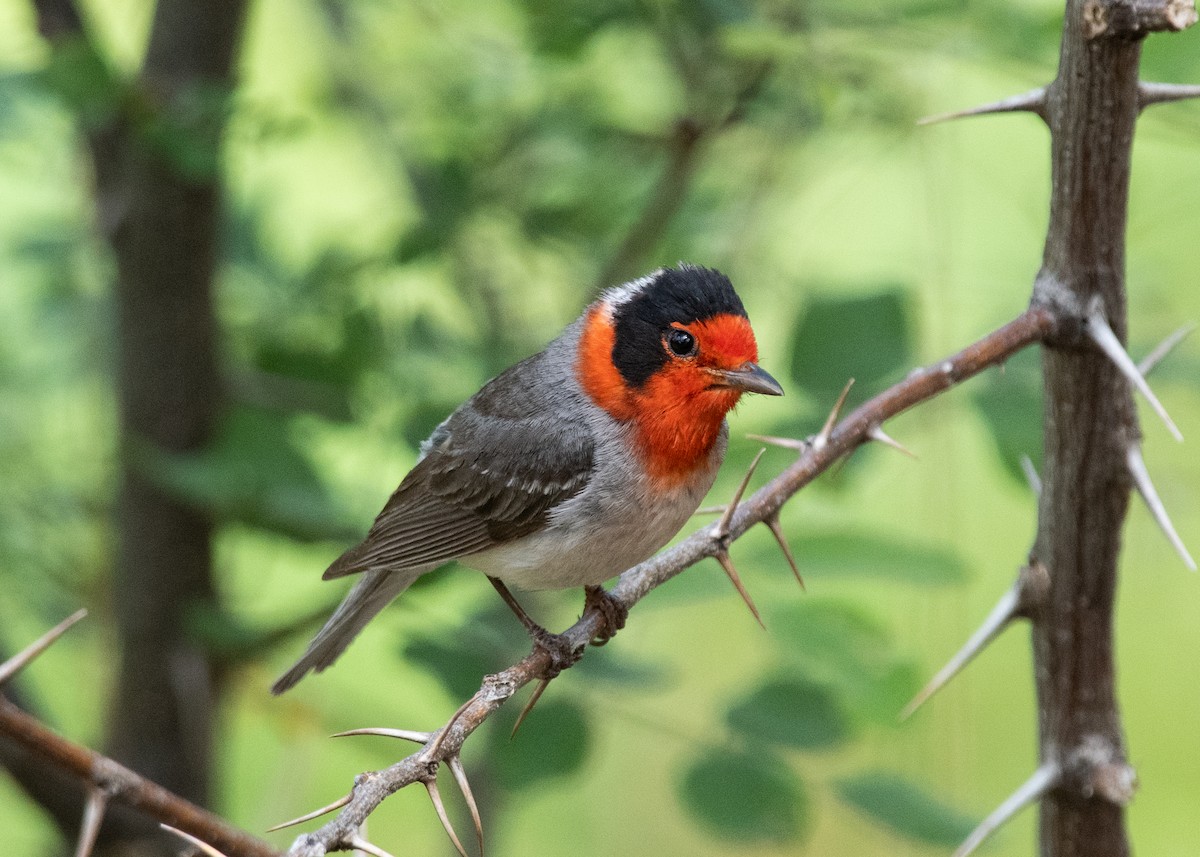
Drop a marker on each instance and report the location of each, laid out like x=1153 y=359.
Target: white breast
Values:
x=620 y=519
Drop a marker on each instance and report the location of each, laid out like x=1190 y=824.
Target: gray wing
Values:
x=492 y=472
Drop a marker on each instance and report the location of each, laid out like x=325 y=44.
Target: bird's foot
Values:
x=562 y=652
x=614 y=612
x=562 y=655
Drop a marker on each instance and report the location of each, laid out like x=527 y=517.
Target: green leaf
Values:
x=487 y=639
x=846 y=648
x=856 y=554
x=220 y=631
x=235 y=639
x=708 y=17
x=255 y=474
x=1011 y=404
x=553 y=742
x=337 y=364
x=444 y=190
x=792 y=712
x=746 y=797
x=82 y=78
x=905 y=807
x=864 y=337
x=294 y=372
x=563 y=28
x=838 y=633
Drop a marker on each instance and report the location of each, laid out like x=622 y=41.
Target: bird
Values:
x=571 y=466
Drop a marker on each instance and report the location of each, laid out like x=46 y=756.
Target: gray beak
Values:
x=750 y=378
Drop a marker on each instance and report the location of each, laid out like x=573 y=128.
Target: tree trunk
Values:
x=1090 y=423
x=166 y=248
x=157 y=186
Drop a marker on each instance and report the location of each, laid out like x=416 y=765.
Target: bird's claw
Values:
x=562 y=652
x=613 y=611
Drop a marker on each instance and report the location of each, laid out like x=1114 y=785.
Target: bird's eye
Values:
x=681 y=343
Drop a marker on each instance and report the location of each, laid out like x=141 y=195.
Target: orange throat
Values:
x=677 y=430
x=677 y=414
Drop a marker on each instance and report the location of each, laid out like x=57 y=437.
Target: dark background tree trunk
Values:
x=158 y=200
x=166 y=249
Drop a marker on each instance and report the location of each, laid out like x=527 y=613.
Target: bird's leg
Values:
x=557 y=646
x=614 y=612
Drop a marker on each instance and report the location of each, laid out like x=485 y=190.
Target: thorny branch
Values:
x=106 y=780
x=816 y=456
x=1091 y=430
x=123 y=785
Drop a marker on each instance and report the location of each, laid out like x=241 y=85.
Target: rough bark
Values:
x=1090 y=421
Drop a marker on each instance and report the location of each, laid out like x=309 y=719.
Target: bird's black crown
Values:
x=647 y=308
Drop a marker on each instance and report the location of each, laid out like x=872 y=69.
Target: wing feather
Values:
x=492 y=473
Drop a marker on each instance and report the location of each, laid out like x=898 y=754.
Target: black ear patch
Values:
x=675 y=295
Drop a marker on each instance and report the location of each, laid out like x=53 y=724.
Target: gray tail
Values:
x=374 y=591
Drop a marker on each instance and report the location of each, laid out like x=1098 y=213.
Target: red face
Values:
x=681 y=406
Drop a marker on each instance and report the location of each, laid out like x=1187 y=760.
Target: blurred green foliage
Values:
x=876 y=350
x=791 y=711
x=905 y=808
x=746 y=797
x=419 y=194
x=1011 y=404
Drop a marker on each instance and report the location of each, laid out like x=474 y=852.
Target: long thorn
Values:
x=533 y=698
x=722 y=527
x=405 y=734
x=1043 y=780
x=193 y=841
x=1161 y=93
x=1146 y=364
x=826 y=431
x=776 y=528
x=1145 y=487
x=22 y=658
x=785 y=442
x=93 y=817
x=727 y=564
x=360 y=844
x=1033 y=101
x=1098 y=329
x=1031 y=475
x=316 y=813
x=434 y=748
x=440 y=808
x=1006 y=609
x=876 y=433
x=460 y=776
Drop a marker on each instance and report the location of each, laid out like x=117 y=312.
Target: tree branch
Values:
x=444 y=745
x=123 y=785
x=56 y=759
x=683 y=149
x=103 y=776
x=1135 y=18
x=1091 y=426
